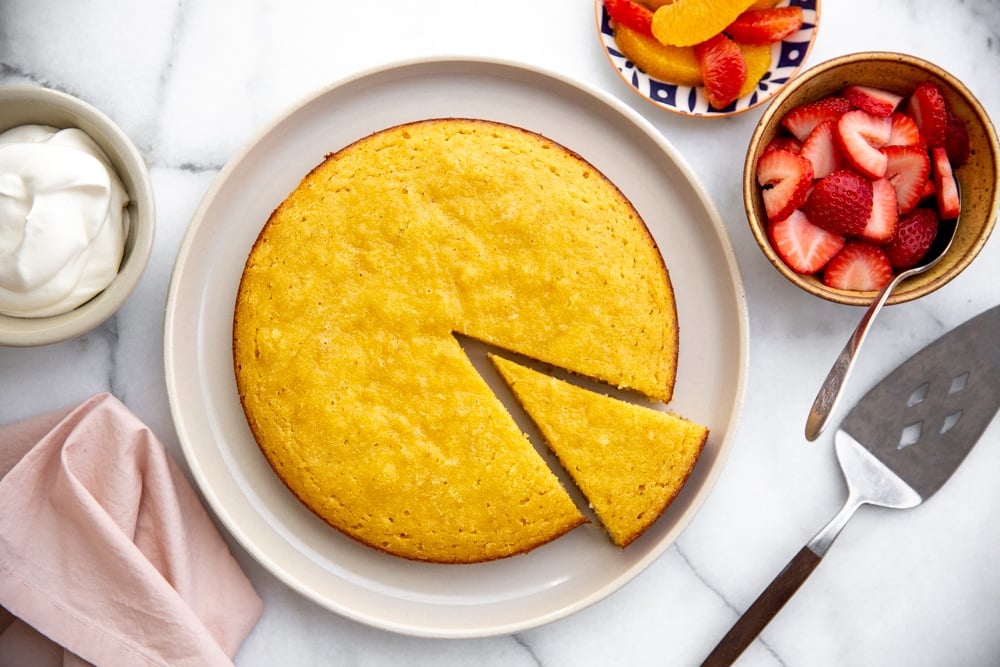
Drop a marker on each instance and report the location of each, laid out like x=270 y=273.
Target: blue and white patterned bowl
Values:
x=787 y=58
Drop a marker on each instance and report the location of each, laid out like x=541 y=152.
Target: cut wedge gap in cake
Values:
x=620 y=456
x=479 y=354
x=479 y=350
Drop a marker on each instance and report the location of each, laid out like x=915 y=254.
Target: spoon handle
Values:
x=829 y=393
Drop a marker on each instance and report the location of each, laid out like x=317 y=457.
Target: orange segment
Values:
x=656 y=4
x=673 y=64
x=758 y=59
x=763 y=4
x=689 y=22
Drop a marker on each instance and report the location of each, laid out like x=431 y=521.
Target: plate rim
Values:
x=173 y=383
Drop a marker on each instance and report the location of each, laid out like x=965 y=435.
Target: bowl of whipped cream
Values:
x=77 y=216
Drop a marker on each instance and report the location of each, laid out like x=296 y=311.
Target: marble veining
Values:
x=193 y=81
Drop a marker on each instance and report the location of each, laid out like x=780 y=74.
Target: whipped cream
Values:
x=63 y=221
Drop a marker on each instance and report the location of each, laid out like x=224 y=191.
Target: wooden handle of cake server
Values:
x=764 y=608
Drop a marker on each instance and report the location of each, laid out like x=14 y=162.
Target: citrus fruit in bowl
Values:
x=707 y=59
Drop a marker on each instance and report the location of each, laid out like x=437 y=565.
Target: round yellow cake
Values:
x=351 y=378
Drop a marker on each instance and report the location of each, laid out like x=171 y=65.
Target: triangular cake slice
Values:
x=630 y=461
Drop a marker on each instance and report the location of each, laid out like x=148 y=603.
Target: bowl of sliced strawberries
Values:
x=707 y=59
x=856 y=165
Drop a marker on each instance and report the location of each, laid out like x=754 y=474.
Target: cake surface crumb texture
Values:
x=347 y=365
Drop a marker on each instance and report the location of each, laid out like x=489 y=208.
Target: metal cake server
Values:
x=896 y=448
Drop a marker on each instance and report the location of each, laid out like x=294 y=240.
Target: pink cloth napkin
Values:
x=107 y=556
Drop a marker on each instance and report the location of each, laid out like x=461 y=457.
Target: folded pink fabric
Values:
x=107 y=556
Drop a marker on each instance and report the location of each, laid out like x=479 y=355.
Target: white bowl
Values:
x=24 y=105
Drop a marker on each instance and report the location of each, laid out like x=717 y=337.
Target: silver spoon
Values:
x=829 y=393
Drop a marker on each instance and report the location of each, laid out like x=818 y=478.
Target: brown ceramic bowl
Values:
x=977 y=179
x=23 y=105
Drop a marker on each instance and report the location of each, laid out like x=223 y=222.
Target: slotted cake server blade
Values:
x=896 y=448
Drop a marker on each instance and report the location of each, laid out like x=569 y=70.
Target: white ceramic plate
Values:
x=381 y=590
x=787 y=58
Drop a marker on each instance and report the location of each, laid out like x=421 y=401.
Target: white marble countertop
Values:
x=191 y=82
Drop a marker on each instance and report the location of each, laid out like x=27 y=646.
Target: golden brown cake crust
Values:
x=352 y=381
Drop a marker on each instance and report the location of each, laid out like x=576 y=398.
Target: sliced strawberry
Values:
x=840 y=202
x=956 y=141
x=801 y=120
x=821 y=149
x=631 y=14
x=765 y=26
x=929 y=109
x=914 y=235
x=908 y=169
x=929 y=190
x=948 y=202
x=860 y=135
x=859 y=266
x=876 y=101
x=881 y=225
x=785 y=177
x=904 y=132
x=723 y=68
x=803 y=246
x=784 y=142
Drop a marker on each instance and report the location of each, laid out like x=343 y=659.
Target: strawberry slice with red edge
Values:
x=860 y=135
x=904 y=132
x=785 y=178
x=804 y=118
x=908 y=169
x=803 y=246
x=881 y=225
x=840 y=202
x=948 y=201
x=956 y=141
x=914 y=235
x=631 y=14
x=765 y=26
x=784 y=142
x=820 y=147
x=876 y=101
x=859 y=266
x=929 y=110
x=723 y=69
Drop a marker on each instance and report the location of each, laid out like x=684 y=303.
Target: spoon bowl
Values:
x=829 y=393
